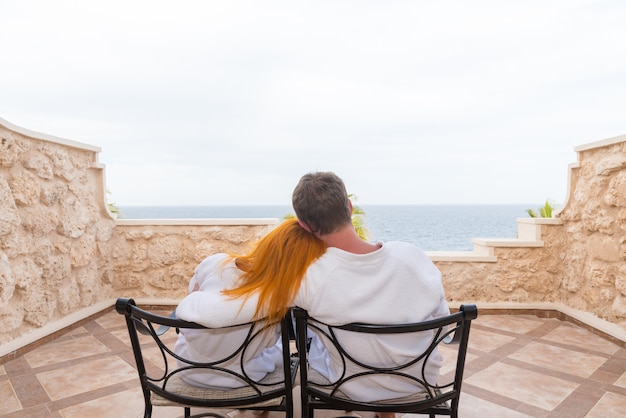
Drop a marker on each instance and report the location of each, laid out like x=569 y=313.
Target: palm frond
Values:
x=546 y=211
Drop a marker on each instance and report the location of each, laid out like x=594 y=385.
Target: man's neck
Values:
x=347 y=239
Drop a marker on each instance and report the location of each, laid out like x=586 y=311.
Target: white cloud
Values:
x=201 y=102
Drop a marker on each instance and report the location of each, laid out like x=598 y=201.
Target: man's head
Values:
x=321 y=203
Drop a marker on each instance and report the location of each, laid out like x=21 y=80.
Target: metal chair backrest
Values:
x=358 y=360
x=161 y=369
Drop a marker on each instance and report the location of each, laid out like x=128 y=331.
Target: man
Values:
x=357 y=281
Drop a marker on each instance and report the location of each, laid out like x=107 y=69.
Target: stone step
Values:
x=528 y=236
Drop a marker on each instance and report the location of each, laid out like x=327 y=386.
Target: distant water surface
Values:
x=430 y=227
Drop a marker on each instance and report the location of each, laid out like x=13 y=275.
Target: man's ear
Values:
x=304 y=226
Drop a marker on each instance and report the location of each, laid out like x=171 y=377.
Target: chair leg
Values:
x=304 y=404
x=187 y=412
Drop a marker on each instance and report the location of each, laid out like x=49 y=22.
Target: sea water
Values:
x=430 y=227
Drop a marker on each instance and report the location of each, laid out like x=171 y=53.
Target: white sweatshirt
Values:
x=396 y=284
x=207 y=306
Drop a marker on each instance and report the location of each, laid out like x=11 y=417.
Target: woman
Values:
x=228 y=290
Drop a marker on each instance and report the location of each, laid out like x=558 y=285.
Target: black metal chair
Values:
x=162 y=384
x=432 y=398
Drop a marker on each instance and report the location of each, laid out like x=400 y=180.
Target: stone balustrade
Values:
x=63 y=257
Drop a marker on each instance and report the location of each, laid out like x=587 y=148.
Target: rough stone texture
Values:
x=601 y=186
x=11 y=149
x=158 y=260
x=9 y=215
x=582 y=261
x=7 y=280
x=61 y=251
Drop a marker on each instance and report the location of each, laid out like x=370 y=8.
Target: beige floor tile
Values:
x=154 y=356
x=169 y=412
x=122 y=335
x=523 y=385
x=91 y=375
x=241 y=413
x=449 y=359
x=111 y=320
x=123 y=404
x=611 y=405
x=473 y=407
x=621 y=381
x=76 y=331
x=56 y=352
x=9 y=403
x=579 y=337
x=487 y=341
x=559 y=359
x=516 y=324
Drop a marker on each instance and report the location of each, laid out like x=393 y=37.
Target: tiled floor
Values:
x=517 y=366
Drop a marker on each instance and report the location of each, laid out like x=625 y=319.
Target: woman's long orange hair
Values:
x=275 y=267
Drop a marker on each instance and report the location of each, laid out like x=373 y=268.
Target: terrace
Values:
x=518 y=366
x=549 y=341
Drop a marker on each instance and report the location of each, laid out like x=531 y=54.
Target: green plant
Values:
x=358 y=219
x=115 y=211
x=543 y=212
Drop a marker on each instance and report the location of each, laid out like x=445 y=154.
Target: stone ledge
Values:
x=589 y=321
x=156 y=302
x=506 y=242
x=540 y=221
x=197 y=221
x=461 y=256
x=48 y=138
x=601 y=143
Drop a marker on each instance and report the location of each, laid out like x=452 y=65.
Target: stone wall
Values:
x=581 y=262
x=593 y=243
x=62 y=254
x=155 y=259
x=53 y=227
x=518 y=270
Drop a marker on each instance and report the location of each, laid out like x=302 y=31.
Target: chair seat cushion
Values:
x=178 y=386
x=317 y=379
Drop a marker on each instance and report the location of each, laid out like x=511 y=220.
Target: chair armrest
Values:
x=162 y=329
x=470 y=312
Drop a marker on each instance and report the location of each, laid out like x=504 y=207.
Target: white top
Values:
x=207 y=306
x=395 y=284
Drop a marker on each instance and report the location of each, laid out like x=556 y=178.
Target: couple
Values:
x=319 y=263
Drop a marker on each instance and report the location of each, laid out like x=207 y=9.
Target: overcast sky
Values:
x=230 y=102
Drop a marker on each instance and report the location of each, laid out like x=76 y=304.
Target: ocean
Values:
x=430 y=227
